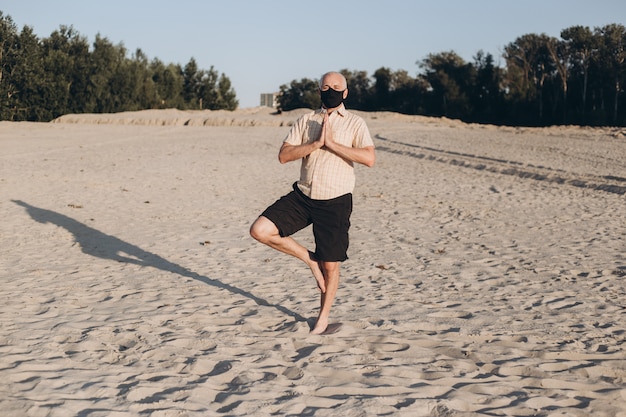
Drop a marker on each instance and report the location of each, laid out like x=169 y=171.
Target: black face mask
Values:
x=332 y=98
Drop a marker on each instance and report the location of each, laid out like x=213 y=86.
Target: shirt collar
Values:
x=341 y=110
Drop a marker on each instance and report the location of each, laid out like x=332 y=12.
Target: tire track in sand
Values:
x=608 y=183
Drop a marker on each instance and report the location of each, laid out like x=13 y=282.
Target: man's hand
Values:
x=290 y=153
x=365 y=156
x=321 y=141
x=326 y=136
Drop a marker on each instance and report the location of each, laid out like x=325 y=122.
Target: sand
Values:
x=486 y=273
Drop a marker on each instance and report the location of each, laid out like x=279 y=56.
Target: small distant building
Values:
x=269 y=100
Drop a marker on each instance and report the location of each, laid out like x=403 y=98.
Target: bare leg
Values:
x=331 y=275
x=265 y=231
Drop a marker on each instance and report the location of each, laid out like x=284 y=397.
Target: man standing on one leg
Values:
x=328 y=142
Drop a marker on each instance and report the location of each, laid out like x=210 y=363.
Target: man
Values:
x=328 y=141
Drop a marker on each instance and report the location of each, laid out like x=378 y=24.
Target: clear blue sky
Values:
x=261 y=45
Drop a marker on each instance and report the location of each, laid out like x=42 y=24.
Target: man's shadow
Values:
x=95 y=243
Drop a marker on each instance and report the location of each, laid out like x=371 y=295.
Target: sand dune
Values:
x=486 y=272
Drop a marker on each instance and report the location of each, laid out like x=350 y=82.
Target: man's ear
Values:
x=345 y=93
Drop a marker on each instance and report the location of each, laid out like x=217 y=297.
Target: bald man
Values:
x=328 y=142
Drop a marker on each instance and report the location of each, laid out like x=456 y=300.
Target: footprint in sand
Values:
x=293 y=373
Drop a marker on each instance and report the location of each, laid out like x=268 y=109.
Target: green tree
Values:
x=105 y=84
x=66 y=65
x=192 y=81
x=227 y=98
x=612 y=55
x=299 y=94
x=358 y=89
x=168 y=80
x=144 y=92
x=125 y=84
x=450 y=79
x=560 y=53
x=521 y=58
x=207 y=89
x=8 y=57
x=487 y=99
x=528 y=66
x=583 y=46
x=43 y=79
x=406 y=93
x=382 y=88
x=29 y=78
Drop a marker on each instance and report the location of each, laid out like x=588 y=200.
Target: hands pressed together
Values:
x=326 y=136
x=365 y=156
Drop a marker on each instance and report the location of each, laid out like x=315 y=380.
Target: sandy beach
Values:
x=486 y=275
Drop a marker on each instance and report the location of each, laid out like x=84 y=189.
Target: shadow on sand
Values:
x=95 y=243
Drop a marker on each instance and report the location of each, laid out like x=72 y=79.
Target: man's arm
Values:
x=290 y=152
x=365 y=156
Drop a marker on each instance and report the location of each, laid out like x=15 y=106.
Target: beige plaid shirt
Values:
x=323 y=174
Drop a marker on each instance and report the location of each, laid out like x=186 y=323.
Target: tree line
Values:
x=578 y=78
x=41 y=79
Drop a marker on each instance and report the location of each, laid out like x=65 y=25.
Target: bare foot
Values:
x=320 y=326
x=317 y=272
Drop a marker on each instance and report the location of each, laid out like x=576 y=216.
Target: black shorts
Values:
x=330 y=220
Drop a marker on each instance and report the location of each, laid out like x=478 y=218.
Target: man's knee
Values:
x=330 y=267
x=256 y=230
x=262 y=229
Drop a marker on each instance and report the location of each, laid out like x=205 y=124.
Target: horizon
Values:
x=263 y=46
